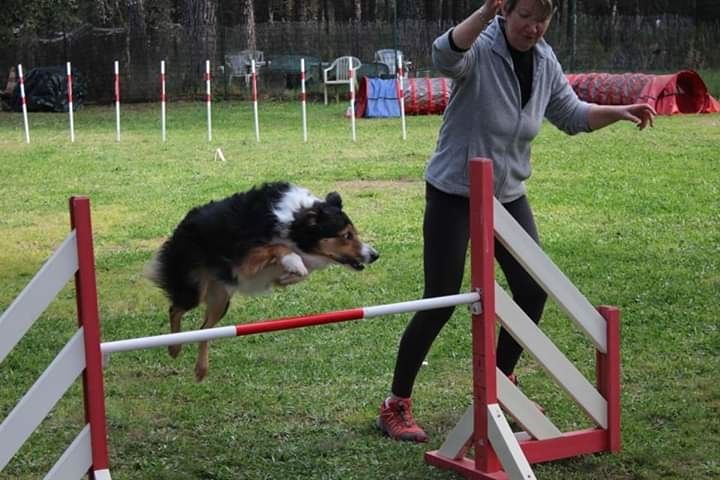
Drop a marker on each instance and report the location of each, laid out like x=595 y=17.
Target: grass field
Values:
x=632 y=218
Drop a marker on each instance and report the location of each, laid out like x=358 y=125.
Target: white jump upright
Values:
x=88 y=453
x=498 y=452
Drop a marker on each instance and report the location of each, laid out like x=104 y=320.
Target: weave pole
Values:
x=117 y=101
x=351 y=74
x=287 y=323
x=401 y=94
x=70 y=101
x=163 y=100
x=303 y=99
x=255 y=100
x=208 y=98
x=23 y=100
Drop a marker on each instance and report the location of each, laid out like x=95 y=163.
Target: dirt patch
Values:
x=361 y=185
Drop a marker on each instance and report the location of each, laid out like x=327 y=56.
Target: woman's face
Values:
x=525 y=25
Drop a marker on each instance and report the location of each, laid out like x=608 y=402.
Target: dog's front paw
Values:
x=289 y=279
x=293 y=264
x=201 y=371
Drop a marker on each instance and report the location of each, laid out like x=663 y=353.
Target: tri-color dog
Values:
x=273 y=235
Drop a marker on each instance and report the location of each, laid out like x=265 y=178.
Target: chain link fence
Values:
x=665 y=43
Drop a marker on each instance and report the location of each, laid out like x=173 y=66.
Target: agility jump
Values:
x=498 y=452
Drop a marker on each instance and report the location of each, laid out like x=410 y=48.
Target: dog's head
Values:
x=325 y=232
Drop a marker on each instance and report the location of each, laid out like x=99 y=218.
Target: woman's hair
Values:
x=548 y=6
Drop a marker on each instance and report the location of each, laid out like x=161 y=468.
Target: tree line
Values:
x=51 y=17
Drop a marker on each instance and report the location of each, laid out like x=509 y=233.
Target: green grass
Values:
x=632 y=218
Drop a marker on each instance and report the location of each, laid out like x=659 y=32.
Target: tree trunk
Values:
x=249 y=14
x=199 y=22
x=135 y=39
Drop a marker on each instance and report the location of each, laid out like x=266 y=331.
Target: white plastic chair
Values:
x=388 y=56
x=240 y=64
x=338 y=73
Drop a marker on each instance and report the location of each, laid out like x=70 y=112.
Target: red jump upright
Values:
x=498 y=452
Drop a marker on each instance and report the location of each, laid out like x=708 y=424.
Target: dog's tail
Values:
x=153 y=270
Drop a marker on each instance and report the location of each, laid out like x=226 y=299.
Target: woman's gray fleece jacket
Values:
x=484 y=117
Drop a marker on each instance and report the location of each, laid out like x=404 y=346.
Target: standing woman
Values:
x=506 y=80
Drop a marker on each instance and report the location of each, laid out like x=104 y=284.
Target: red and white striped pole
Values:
x=23 y=100
x=163 y=99
x=401 y=94
x=288 y=323
x=208 y=98
x=70 y=101
x=117 y=100
x=303 y=99
x=255 y=101
x=351 y=74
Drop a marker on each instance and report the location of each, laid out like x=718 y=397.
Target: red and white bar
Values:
x=208 y=98
x=70 y=101
x=287 y=323
x=163 y=99
x=24 y=103
x=255 y=101
x=117 y=100
x=303 y=99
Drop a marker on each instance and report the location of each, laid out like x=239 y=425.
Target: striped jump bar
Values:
x=287 y=323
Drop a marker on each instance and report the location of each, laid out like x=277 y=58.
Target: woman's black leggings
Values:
x=446 y=235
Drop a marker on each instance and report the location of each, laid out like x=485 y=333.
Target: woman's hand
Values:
x=493 y=6
x=641 y=114
x=467 y=31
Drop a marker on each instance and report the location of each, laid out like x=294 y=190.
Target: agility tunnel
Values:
x=498 y=452
x=379 y=97
x=681 y=92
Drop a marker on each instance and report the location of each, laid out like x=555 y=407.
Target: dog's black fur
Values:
x=275 y=234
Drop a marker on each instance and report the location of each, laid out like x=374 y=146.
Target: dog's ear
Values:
x=310 y=217
x=334 y=199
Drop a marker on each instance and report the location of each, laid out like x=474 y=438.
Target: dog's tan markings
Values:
x=217 y=299
x=260 y=257
x=344 y=245
x=176 y=315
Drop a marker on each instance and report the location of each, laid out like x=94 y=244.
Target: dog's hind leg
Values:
x=218 y=301
x=176 y=314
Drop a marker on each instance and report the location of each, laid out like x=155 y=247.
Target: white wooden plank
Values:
x=549 y=276
x=38 y=294
x=103 y=474
x=506 y=446
x=42 y=396
x=454 y=445
x=75 y=461
x=523 y=410
x=537 y=344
